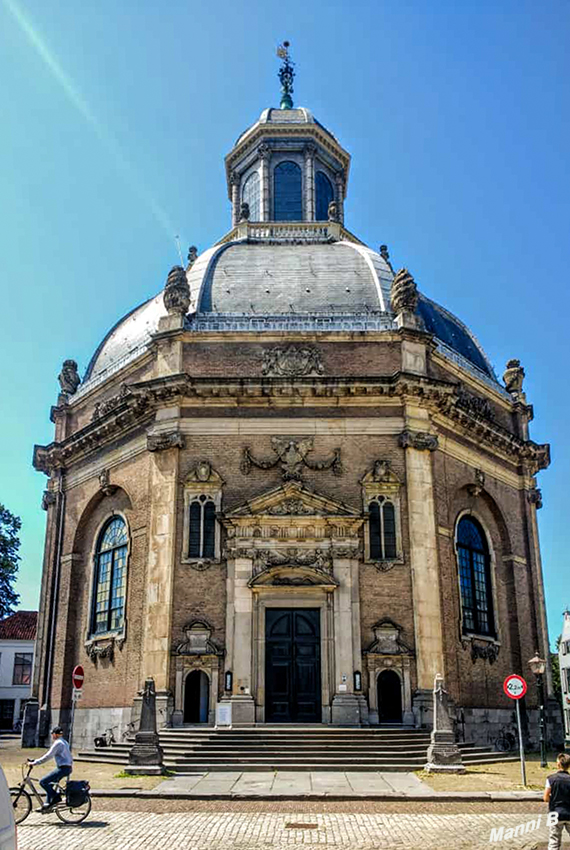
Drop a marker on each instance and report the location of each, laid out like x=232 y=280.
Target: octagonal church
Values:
x=291 y=483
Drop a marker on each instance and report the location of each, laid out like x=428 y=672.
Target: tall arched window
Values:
x=382 y=522
x=202 y=529
x=110 y=577
x=474 y=578
x=287 y=192
x=324 y=195
x=250 y=195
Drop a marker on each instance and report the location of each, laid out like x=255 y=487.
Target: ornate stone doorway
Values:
x=196 y=697
x=389 y=687
x=293 y=668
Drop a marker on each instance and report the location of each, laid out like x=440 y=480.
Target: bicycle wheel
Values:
x=74 y=814
x=502 y=745
x=21 y=803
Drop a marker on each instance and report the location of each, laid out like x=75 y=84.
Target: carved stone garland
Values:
x=292 y=455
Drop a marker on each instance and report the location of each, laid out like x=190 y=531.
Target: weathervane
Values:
x=286 y=75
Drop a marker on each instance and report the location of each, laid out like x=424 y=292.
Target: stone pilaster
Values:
x=264 y=157
x=532 y=503
x=235 y=183
x=160 y=569
x=240 y=645
x=419 y=444
x=346 y=705
x=339 y=187
x=309 y=152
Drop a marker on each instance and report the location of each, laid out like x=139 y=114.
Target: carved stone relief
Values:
x=48 y=498
x=483 y=649
x=161 y=442
x=474 y=404
x=321 y=559
x=535 y=497
x=292 y=455
x=105 y=483
x=198 y=640
x=292 y=362
x=420 y=440
x=477 y=488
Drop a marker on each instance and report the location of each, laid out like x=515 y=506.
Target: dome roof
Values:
x=330 y=286
x=298 y=115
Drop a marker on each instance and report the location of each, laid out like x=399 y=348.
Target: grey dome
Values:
x=298 y=115
x=260 y=280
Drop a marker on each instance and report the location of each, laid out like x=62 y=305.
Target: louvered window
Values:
x=250 y=195
x=324 y=195
x=202 y=529
x=110 y=578
x=287 y=192
x=474 y=578
x=382 y=529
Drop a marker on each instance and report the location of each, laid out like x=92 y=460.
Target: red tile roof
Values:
x=19 y=626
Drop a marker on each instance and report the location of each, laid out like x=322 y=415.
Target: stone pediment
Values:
x=293 y=576
x=292 y=499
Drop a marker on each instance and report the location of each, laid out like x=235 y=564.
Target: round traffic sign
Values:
x=78 y=676
x=514 y=686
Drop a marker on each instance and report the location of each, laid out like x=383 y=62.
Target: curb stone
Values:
x=435 y=797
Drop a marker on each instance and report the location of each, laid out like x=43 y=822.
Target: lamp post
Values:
x=538 y=667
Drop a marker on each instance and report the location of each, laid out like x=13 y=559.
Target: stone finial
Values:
x=513 y=377
x=192 y=256
x=333 y=211
x=404 y=295
x=244 y=212
x=384 y=252
x=177 y=292
x=68 y=378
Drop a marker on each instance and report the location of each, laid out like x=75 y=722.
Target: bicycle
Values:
x=106 y=740
x=506 y=742
x=129 y=731
x=22 y=800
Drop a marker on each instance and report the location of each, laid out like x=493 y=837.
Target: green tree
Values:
x=9 y=544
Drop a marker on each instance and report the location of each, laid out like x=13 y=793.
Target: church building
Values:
x=290 y=483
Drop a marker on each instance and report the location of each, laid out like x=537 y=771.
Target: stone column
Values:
x=310 y=151
x=240 y=649
x=264 y=152
x=235 y=184
x=423 y=547
x=534 y=501
x=346 y=708
x=339 y=186
x=161 y=563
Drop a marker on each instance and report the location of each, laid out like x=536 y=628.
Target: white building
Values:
x=17 y=645
x=564 y=657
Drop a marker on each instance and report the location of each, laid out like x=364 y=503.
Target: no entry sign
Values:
x=78 y=676
x=514 y=686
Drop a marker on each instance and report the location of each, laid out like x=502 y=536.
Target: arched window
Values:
x=382 y=527
x=250 y=195
x=110 y=577
x=287 y=192
x=474 y=578
x=324 y=195
x=202 y=528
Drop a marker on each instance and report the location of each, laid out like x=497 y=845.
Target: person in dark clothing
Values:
x=557 y=795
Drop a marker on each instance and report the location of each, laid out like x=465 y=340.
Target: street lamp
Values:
x=538 y=667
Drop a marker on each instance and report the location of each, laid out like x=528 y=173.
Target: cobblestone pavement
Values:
x=231 y=830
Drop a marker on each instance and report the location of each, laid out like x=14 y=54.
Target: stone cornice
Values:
x=134 y=404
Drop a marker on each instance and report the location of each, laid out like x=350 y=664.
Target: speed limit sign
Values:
x=514 y=686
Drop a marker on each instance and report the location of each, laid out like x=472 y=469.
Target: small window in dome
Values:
x=324 y=193
x=251 y=195
x=288 y=192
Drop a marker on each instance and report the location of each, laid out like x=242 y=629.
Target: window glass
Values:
x=474 y=578
x=324 y=195
x=375 y=532
x=110 y=578
x=22 y=668
x=389 y=527
x=251 y=195
x=202 y=533
x=287 y=192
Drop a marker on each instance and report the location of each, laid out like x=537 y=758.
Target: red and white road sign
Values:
x=514 y=686
x=78 y=676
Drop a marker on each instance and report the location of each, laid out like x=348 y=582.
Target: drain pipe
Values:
x=45 y=710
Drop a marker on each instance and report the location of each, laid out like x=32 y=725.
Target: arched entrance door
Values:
x=293 y=669
x=389 y=697
x=196 y=697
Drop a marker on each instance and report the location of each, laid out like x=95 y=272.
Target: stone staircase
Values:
x=294 y=748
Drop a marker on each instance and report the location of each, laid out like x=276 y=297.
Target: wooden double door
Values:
x=293 y=665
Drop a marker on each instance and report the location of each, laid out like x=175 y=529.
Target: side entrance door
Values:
x=293 y=665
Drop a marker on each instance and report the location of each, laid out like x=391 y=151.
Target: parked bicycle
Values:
x=129 y=731
x=73 y=807
x=507 y=741
x=107 y=739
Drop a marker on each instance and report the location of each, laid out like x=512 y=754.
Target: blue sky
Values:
x=115 y=121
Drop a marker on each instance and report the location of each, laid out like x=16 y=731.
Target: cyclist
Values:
x=59 y=751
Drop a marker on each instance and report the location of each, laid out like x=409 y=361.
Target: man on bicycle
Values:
x=59 y=751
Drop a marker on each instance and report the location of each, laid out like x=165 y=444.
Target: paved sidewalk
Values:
x=291 y=785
